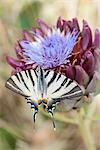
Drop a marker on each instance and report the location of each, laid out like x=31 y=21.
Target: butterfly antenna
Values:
x=52 y=117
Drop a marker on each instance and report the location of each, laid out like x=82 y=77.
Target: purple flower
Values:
x=84 y=64
x=49 y=51
x=46 y=46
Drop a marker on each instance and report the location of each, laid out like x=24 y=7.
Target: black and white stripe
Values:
x=40 y=83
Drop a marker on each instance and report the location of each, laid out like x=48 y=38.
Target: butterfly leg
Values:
x=50 y=111
x=34 y=114
x=33 y=107
x=35 y=111
x=52 y=117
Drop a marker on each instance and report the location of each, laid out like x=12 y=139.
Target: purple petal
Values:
x=14 y=63
x=26 y=45
x=27 y=36
x=87 y=36
x=30 y=47
x=70 y=72
x=59 y=24
x=43 y=25
x=81 y=76
x=18 y=50
x=94 y=85
x=64 y=25
x=16 y=71
x=76 y=24
x=97 y=38
x=97 y=59
x=88 y=62
x=39 y=31
x=70 y=25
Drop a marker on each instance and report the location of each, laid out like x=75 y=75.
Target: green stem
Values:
x=64 y=119
x=85 y=130
x=61 y=118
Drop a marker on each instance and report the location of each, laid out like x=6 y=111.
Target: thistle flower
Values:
x=64 y=48
x=49 y=49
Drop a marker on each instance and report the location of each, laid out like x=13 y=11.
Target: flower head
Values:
x=49 y=51
x=84 y=64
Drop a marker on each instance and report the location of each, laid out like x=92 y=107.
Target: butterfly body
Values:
x=45 y=87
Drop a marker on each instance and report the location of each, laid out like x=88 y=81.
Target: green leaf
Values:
x=29 y=14
x=8 y=140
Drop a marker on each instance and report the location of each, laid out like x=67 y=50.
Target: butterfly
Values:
x=46 y=88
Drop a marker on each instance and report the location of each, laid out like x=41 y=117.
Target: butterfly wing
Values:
x=60 y=88
x=72 y=103
x=24 y=83
x=35 y=84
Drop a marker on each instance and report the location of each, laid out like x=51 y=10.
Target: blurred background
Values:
x=16 y=125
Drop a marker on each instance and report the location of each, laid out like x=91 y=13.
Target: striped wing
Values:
x=61 y=87
x=24 y=83
x=35 y=84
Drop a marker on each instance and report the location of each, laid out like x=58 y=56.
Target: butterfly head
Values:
x=49 y=107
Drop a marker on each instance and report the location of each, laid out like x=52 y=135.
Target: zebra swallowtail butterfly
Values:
x=45 y=87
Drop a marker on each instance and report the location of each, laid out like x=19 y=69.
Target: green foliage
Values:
x=8 y=140
x=29 y=14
